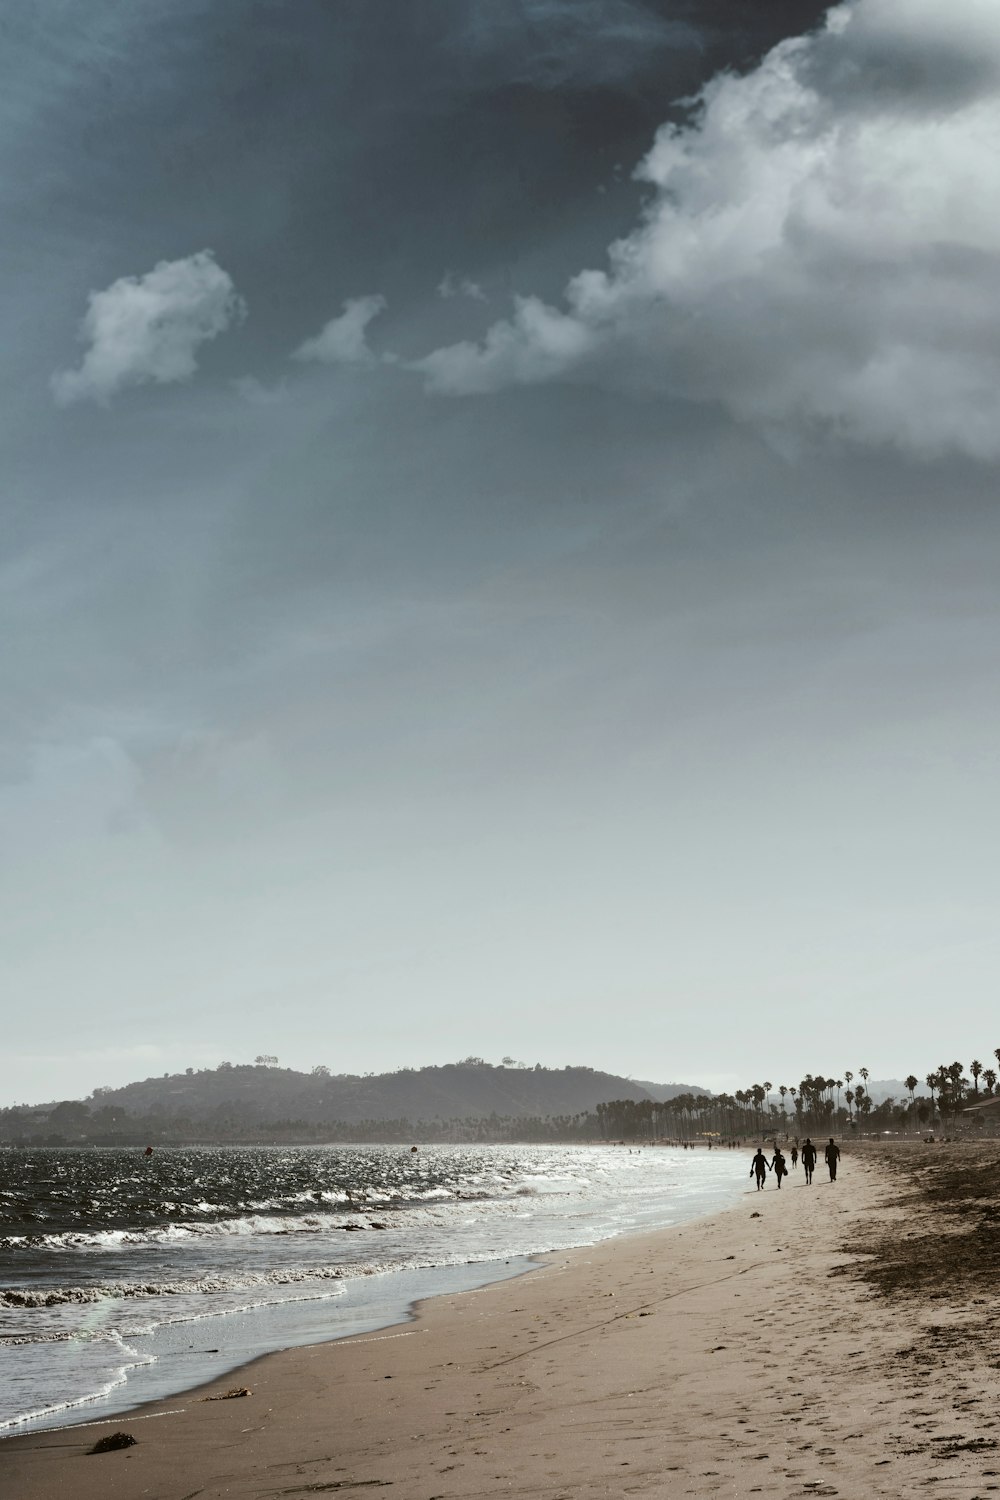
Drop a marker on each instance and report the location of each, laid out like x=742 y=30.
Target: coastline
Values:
x=727 y=1355
x=155 y=1318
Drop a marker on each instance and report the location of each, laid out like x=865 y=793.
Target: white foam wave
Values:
x=187 y=1230
x=130 y=1359
x=30 y=1298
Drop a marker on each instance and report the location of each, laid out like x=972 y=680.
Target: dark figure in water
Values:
x=808 y=1159
x=831 y=1156
x=758 y=1168
x=795 y=1156
x=778 y=1166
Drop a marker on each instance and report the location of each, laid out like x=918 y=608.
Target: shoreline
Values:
x=183 y=1345
x=396 y=1307
x=752 y=1351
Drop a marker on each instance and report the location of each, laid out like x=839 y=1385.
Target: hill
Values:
x=470 y=1089
x=661 y=1092
x=881 y=1089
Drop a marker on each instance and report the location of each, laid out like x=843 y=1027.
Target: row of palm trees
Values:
x=815 y=1104
x=818 y=1099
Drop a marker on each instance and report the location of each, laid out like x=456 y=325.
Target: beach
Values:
x=125 y=1279
x=807 y=1341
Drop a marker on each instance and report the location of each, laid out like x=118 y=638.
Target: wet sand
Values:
x=813 y=1341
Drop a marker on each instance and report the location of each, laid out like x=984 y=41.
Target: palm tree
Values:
x=932 y=1083
x=805 y=1094
x=943 y=1083
x=975 y=1068
x=758 y=1093
x=840 y=1085
x=860 y=1099
x=864 y=1074
x=990 y=1079
x=782 y=1090
x=816 y=1094
x=849 y=1096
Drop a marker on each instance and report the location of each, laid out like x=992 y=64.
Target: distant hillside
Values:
x=891 y=1088
x=464 y=1090
x=663 y=1091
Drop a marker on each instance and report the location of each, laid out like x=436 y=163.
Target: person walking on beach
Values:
x=831 y=1156
x=778 y=1166
x=795 y=1156
x=758 y=1168
x=808 y=1159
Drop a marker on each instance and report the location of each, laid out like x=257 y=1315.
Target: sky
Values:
x=500 y=539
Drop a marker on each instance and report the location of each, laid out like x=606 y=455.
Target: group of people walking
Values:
x=760 y=1166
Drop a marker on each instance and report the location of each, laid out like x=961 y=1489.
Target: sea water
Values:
x=127 y=1278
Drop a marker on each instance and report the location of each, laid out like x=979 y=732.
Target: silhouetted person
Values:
x=758 y=1168
x=831 y=1156
x=808 y=1159
x=795 y=1156
x=778 y=1166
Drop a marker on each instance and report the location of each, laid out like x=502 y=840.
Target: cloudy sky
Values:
x=500 y=536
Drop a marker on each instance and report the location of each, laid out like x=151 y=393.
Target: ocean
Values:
x=126 y=1278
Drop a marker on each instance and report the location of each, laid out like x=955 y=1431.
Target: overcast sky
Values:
x=500 y=536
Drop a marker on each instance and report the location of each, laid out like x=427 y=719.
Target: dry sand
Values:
x=745 y=1354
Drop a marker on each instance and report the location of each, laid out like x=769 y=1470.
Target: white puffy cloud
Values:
x=821 y=249
x=149 y=328
x=451 y=286
x=344 y=340
x=536 y=344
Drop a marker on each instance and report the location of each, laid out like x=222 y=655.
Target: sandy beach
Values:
x=833 y=1340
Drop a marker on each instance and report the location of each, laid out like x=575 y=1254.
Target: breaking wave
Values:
x=109 y=1263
